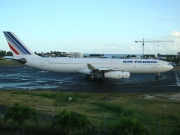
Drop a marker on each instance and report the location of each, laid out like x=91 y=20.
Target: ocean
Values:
x=115 y=55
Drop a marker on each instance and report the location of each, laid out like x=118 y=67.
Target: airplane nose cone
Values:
x=170 y=67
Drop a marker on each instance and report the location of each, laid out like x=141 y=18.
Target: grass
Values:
x=8 y=63
x=113 y=106
x=176 y=68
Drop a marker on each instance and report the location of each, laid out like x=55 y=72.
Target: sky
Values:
x=93 y=26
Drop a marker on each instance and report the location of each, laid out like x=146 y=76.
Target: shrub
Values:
x=71 y=123
x=129 y=126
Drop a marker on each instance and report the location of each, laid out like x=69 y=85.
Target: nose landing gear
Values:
x=157 y=76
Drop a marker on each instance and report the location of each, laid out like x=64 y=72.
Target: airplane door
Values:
x=134 y=65
x=42 y=62
x=85 y=64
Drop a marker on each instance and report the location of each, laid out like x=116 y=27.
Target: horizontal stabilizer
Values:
x=14 y=59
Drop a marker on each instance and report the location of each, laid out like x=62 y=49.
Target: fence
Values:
x=103 y=124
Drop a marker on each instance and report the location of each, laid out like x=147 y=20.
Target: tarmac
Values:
x=26 y=78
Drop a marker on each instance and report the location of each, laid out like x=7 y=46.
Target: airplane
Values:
x=93 y=68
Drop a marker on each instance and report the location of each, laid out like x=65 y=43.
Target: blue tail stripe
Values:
x=19 y=44
x=15 y=44
x=24 y=49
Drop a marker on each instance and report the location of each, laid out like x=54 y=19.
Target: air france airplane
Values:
x=92 y=67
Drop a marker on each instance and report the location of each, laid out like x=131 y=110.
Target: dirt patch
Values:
x=175 y=97
x=158 y=96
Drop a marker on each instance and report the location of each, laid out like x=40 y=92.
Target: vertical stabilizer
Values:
x=17 y=46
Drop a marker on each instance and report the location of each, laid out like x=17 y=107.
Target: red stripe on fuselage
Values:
x=14 y=50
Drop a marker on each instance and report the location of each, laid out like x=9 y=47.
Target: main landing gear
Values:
x=94 y=78
x=157 y=76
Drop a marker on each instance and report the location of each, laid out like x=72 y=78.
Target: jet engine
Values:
x=116 y=74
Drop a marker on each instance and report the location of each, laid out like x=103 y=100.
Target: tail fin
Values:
x=16 y=45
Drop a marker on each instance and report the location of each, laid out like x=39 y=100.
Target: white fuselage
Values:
x=108 y=68
x=79 y=65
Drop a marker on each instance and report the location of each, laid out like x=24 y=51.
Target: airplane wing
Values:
x=109 y=72
x=102 y=69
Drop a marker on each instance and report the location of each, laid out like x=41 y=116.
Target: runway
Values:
x=26 y=78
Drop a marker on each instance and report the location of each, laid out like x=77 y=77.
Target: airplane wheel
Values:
x=87 y=76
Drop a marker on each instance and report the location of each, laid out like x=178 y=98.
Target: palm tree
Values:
x=71 y=122
x=19 y=114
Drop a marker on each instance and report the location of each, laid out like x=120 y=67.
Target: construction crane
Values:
x=149 y=41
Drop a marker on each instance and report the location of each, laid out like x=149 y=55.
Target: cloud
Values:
x=134 y=48
x=114 y=49
x=127 y=48
x=175 y=34
x=162 y=20
x=170 y=47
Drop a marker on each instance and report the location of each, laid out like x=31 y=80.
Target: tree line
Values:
x=53 y=53
x=4 y=53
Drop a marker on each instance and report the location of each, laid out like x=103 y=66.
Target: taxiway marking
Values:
x=177 y=79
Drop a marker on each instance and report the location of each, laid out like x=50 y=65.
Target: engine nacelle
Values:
x=116 y=74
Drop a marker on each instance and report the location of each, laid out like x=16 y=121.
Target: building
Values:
x=76 y=55
x=150 y=56
x=178 y=54
x=167 y=57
